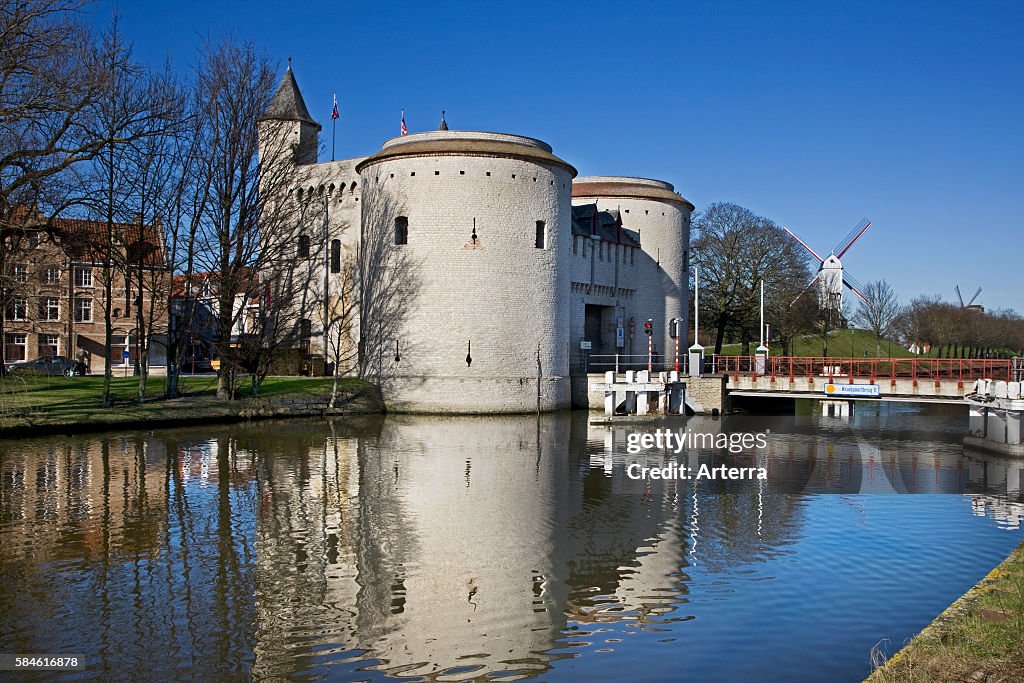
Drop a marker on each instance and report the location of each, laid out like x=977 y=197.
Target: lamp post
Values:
x=761 y=355
x=696 y=360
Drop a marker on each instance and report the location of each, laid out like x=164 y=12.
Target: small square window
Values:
x=49 y=308
x=51 y=276
x=83 y=277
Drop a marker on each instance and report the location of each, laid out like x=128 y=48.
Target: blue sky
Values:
x=812 y=114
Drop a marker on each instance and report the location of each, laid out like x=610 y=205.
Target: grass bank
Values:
x=40 y=405
x=979 y=638
x=841 y=343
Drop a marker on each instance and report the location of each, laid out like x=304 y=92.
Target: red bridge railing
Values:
x=961 y=369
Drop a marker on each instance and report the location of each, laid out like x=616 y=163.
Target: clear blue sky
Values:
x=813 y=114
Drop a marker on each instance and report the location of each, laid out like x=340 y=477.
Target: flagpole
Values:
x=334 y=124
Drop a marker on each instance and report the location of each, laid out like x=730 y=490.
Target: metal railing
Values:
x=620 y=362
x=961 y=369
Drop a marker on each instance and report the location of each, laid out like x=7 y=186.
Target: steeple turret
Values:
x=287 y=121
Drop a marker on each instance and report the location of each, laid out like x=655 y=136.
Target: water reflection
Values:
x=437 y=548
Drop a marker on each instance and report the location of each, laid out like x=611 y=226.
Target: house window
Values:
x=21 y=274
x=303 y=246
x=83 y=310
x=401 y=230
x=541 y=238
x=51 y=276
x=305 y=332
x=83 y=277
x=335 y=256
x=17 y=308
x=585 y=248
x=15 y=347
x=632 y=256
x=575 y=245
x=47 y=345
x=49 y=308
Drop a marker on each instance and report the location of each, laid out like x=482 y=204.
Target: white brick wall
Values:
x=659 y=276
x=507 y=297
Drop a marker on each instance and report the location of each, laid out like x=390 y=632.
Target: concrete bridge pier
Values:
x=837 y=408
x=996 y=420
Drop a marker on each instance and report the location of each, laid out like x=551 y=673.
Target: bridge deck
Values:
x=926 y=380
x=903 y=398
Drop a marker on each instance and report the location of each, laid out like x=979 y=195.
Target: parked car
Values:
x=49 y=365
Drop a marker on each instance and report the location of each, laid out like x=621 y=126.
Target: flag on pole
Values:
x=334 y=114
x=405 y=129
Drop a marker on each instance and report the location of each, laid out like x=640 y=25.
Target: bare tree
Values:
x=247 y=221
x=50 y=79
x=133 y=109
x=152 y=172
x=188 y=199
x=735 y=249
x=878 y=311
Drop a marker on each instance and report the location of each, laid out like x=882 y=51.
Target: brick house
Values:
x=53 y=290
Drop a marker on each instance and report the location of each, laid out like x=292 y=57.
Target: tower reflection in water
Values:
x=420 y=547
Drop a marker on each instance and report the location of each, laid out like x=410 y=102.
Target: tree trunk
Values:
x=719 y=337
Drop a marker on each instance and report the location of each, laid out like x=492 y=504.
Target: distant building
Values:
x=54 y=298
x=523 y=272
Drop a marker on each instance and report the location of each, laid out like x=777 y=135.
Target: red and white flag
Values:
x=405 y=129
x=334 y=114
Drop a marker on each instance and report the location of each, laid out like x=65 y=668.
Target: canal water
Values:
x=494 y=548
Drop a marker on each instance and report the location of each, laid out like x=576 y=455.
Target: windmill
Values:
x=831 y=277
x=970 y=305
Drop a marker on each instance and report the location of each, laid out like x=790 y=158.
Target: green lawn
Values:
x=841 y=343
x=37 y=402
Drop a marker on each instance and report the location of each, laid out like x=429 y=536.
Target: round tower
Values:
x=473 y=228
x=661 y=216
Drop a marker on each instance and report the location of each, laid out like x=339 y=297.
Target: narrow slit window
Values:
x=303 y=246
x=335 y=256
x=401 y=230
x=541 y=239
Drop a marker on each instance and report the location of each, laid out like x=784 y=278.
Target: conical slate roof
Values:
x=287 y=103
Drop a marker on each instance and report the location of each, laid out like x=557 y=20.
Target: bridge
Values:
x=925 y=380
x=919 y=380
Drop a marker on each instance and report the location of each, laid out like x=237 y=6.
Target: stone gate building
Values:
x=495 y=264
